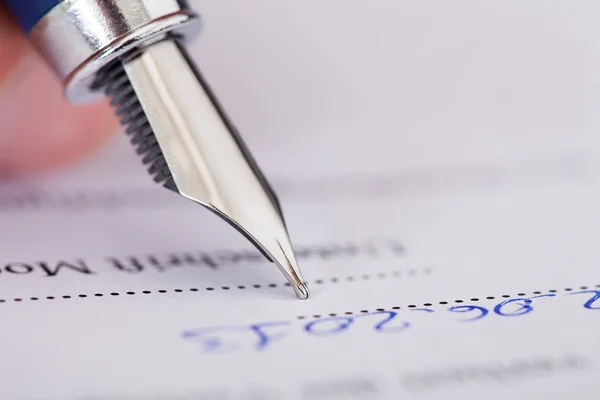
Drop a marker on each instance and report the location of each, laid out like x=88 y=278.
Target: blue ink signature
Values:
x=261 y=336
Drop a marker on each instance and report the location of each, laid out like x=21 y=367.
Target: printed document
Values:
x=438 y=166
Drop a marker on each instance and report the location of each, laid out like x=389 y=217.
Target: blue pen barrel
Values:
x=29 y=12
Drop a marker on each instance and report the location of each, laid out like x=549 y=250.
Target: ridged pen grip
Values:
x=29 y=12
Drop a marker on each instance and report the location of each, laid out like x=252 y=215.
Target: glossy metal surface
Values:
x=79 y=37
x=207 y=159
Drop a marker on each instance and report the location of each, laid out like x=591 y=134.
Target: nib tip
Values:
x=301 y=291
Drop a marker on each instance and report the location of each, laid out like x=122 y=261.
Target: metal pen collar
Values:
x=80 y=37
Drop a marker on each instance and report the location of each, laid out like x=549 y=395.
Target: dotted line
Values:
x=364 y=277
x=458 y=301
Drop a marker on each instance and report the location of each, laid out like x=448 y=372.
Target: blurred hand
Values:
x=38 y=128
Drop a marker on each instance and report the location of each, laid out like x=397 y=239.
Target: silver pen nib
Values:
x=192 y=148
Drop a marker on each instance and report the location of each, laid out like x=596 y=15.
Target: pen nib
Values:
x=271 y=239
x=191 y=148
x=277 y=249
x=286 y=261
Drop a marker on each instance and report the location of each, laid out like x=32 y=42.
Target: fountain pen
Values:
x=134 y=52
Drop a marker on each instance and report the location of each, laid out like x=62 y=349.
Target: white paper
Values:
x=438 y=165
